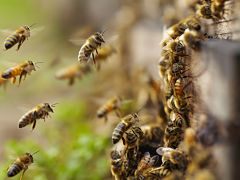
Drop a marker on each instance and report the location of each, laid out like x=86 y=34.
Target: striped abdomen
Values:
x=14 y=169
x=104 y=110
x=178 y=88
x=179 y=120
x=118 y=132
x=11 y=41
x=85 y=52
x=12 y=72
x=27 y=119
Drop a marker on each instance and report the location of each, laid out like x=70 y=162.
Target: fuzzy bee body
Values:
x=91 y=45
x=18 y=36
x=21 y=163
x=39 y=112
x=20 y=70
x=123 y=126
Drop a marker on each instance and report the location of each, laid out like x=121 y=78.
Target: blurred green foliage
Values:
x=72 y=152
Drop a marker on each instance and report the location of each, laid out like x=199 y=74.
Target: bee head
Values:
x=30 y=157
x=27 y=27
x=99 y=37
x=48 y=107
x=32 y=65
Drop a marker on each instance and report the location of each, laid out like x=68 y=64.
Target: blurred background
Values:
x=73 y=143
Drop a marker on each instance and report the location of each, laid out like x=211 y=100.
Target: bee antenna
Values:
x=35 y=152
x=53 y=105
x=32 y=24
x=39 y=62
x=103 y=31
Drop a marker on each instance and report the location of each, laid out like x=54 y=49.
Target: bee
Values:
x=205 y=11
x=40 y=111
x=91 y=45
x=178 y=87
x=18 y=36
x=163 y=66
x=175 y=156
x=113 y=104
x=193 y=23
x=177 y=30
x=176 y=48
x=104 y=53
x=116 y=165
x=20 y=70
x=133 y=138
x=146 y=162
x=73 y=72
x=191 y=39
x=172 y=136
x=153 y=133
x=158 y=172
x=217 y=8
x=126 y=122
x=178 y=120
x=21 y=163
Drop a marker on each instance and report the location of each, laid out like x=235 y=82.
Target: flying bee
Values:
x=18 y=36
x=40 y=111
x=116 y=165
x=20 y=70
x=92 y=44
x=104 y=53
x=21 y=163
x=126 y=122
x=73 y=72
x=191 y=39
x=113 y=104
x=146 y=162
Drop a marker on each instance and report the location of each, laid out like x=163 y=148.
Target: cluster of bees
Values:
x=167 y=148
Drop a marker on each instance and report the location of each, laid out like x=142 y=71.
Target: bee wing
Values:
x=78 y=42
x=153 y=160
x=37 y=30
x=162 y=150
x=6 y=31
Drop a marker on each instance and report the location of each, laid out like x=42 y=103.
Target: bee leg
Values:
x=20 y=78
x=123 y=140
x=22 y=39
x=118 y=113
x=94 y=62
x=105 y=119
x=71 y=82
x=14 y=80
x=23 y=172
x=34 y=125
x=96 y=51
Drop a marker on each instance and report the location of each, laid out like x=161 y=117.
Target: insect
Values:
x=175 y=156
x=158 y=172
x=205 y=11
x=126 y=122
x=21 y=163
x=175 y=48
x=172 y=136
x=146 y=162
x=20 y=70
x=116 y=165
x=92 y=44
x=18 y=36
x=133 y=138
x=104 y=53
x=217 y=8
x=191 y=39
x=153 y=133
x=113 y=104
x=40 y=111
x=163 y=66
x=73 y=72
x=178 y=120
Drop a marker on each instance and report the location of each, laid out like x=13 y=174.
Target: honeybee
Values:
x=146 y=162
x=21 y=163
x=104 y=53
x=113 y=104
x=175 y=156
x=116 y=165
x=91 y=45
x=176 y=48
x=172 y=136
x=73 y=72
x=205 y=11
x=158 y=172
x=40 y=111
x=177 y=30
x=18 y=36
x=163 y=66
x=178 y=120
x=20 y=70
x=126 y=122
x=217 y=8
x=153 y=133
x=193 y=23
x=191 y=39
